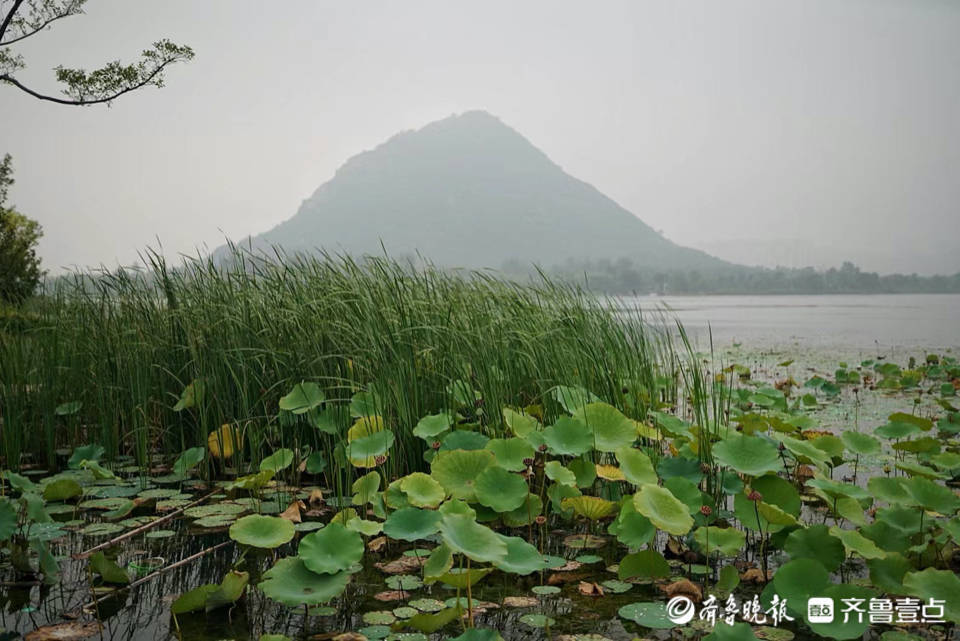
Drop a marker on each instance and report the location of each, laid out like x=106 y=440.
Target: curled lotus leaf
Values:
x=291 y=583
x=663 y=509
x=422 y=490
x=593 y=508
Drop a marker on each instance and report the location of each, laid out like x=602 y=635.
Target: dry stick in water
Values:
x=154 y=575
x=142 y=528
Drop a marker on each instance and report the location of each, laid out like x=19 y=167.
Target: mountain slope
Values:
x=470 y=191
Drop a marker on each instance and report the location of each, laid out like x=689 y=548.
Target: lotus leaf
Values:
x=525 y=514
x=887 y=572
x=500 y=490
x=457 y=471
x=522 y=558
x=459 y=577
x=568 y=437
x=464 y=440
x=303 y=398
x=649 y=615
x=853 y=541
x=411 y=524
x=663 y=509
x=278 y=461
x=634 y=529
x=555 y=471
x=262 y=531
x=438 y=564
x=331 y=550
x=816 y=542
x=232 y=587
x=108 y=569
x=798 y=580
x=422 y=490
x=291 y=583
x=645 y=564
x=429 y=428
x=739 y=631
x=936 y=584
x=608 y=473
x=520 y=424
x=931 y=496
x=510 y=453
x=572 y=399
x=584 y=470
x=750 y=455
x=727 y=541
x=590 y=507
x=365 y=488
x=61 y=490
x=464 y=535
x=611 y=429
x=365 y=451
x=636 y=466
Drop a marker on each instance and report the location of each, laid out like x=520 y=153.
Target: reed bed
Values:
x=124 y=346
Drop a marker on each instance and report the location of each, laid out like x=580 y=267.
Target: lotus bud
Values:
x=543 y=448
x=435 y=445
x=755 y=496
x=541 y=520
x=380 y=460
x=706 y=510
x=528 y=462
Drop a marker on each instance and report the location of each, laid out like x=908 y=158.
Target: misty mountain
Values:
x=470 y=191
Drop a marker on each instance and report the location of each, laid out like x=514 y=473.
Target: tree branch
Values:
x=37 y=29
x=9 y=18
x=83 y=101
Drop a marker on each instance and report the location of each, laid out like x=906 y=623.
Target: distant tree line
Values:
x=622 y=276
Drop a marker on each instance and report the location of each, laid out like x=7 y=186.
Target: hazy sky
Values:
x=800 y=131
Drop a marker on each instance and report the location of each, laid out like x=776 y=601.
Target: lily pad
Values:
x=266 y=532
x=500 y=490
x=750 y=455
x=291 y=583
x=331 y=550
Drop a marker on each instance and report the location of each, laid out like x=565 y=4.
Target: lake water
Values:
x=844 y=322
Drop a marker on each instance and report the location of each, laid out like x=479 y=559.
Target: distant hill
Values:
x=470 y=191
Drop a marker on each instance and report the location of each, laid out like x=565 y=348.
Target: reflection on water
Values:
x=863 y=322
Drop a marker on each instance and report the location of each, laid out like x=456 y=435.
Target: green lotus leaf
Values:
x=113 y=503
x=194 y=600
x=456 y=507
x=365 y=488
x=215 y=521
x=199 y=511
x=464 y=439
x=522 y=558
x=189 y=460
x=525 y=514
x=936 y=584
x=303 y=398
x=798 y=580
x=331 y=550
x=510 y=453
x=363 y=451
x=663 y=509
x=816 y=542
x=457 y=471
x=889 y=489
x=852 y=628
x=649 y=615
x=779 y=492
x=108 y=569
x=645 y=564
x=412 y=524
x=636 y=466
x=438 y=563
x=500 y=490
x=750 y=455
x=573 y=399
x=555 y=471
x=61 y=490
x=931 y=496
x=830 y=444
x=520 y=424
x=568 y=437
x=584 y=470
x=739 y=631
x=853 y=541
x=897 y=430
x=916 y=469
x=634 y=529
x=422 y=490
x=727 y=541
x=835 y=489
x=279 y=460
x=8 y=518
x=291 y=583
x=459 y=577
x=686 y=492
x=251 y=482
x=887 y=572
x=727 y=580
x=101 y=529
x=464 y=535
x=590 y=507
x=429 y=428
x=266 y=532
x=83 y=453
x=229 y=591
x=803 y=451
x=773 y=515
x=611 y=429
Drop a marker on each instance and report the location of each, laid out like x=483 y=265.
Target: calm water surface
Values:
x=865 y=322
